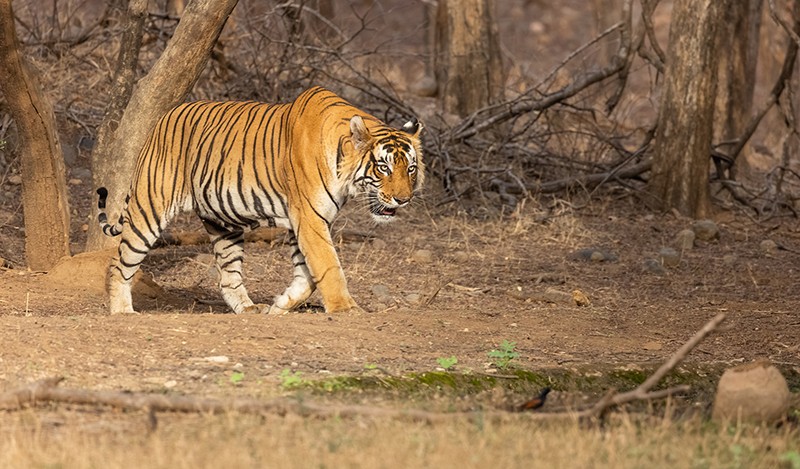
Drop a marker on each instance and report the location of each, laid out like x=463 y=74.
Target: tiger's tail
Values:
x=108 y=229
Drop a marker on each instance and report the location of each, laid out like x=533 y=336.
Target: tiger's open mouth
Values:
x=380 y=210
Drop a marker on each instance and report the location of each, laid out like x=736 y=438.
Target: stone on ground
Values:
x=705 y=230
x=756 y=392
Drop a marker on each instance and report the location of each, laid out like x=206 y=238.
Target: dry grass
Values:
x=41 y=439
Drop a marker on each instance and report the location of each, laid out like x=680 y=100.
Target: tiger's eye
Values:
x=412 y=169
x=383 y=169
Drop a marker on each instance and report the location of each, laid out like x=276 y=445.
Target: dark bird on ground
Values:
x=534 y=403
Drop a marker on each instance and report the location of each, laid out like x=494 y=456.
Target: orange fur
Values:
x=245 y=164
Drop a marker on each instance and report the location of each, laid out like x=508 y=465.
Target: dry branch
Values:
x=46 y=390
x=486 y=118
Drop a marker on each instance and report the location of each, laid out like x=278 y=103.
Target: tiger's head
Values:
x=391 y=165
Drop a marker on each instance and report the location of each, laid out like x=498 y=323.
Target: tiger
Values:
x=243 y=164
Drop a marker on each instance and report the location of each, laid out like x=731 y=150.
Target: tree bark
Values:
x=44 y=194
x=166 y=85
x=684 y=134
x=738 y=46
x=121 y=89
x=607 y=13
x=469 y=70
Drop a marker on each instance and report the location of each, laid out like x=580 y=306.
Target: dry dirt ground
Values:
x=484 y=281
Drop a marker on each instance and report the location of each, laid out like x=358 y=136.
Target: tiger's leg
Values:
x=314 y=240
x=229 y=253
x=302 y=285
x=136 y=242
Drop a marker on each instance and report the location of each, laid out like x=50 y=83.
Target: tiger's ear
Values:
x=413 y=127
x=359 y=133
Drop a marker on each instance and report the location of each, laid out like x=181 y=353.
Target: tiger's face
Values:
x=393 y=168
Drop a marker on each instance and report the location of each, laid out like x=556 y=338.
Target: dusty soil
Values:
x=484 y=283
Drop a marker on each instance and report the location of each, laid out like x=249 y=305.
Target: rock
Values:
x=422 y=256
x=381 y=292
x=669 y=257
x=654 y=267
x=217 y=359
x=519 y=293
x=80 y=173
x=378 y=243
x=580 y=298
x=592 y=254
x=768 y=247
x=74 y=182
x=705 y=230
x=14 y=179
x=684 y=241
x=413 y=298
x=755 y=392
x=729 y=260
x=584 y=254
x=552 y=295
x=462 y=257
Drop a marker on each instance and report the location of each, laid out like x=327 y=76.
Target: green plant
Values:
x=290 y=379
x=502 y=356
x=237 y=377
x=792 y=458
x=447 y=362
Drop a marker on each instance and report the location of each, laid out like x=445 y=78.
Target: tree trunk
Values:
x=469 y=71
x=607 y=13
x=44 y=194
x=738 y=42
x=165 y=86
x=684 y=135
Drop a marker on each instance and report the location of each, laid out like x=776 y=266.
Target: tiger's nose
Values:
x=400 y=201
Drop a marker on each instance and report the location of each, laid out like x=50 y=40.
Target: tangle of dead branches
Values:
x=571 y=132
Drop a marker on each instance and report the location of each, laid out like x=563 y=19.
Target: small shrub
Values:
x=502 y=356
x=447 y=362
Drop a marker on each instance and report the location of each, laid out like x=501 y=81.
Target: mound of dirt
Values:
x=86 y=272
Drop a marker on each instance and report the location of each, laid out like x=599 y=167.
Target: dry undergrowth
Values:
x=36 y=439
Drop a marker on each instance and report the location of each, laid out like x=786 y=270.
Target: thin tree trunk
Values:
x=607 y=13
x=469 y=69
x=122 y=87
x=685 y=122
x=738 y=46
x=166 y=85
x=44 y=194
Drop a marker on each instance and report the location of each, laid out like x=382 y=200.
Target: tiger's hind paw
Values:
x=255 y=309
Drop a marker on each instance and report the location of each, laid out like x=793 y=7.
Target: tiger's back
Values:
x=245 y=164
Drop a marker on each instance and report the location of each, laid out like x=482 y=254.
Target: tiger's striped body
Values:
x=246 y=164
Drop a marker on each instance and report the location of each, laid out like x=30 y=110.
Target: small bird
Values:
x=534 y=403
